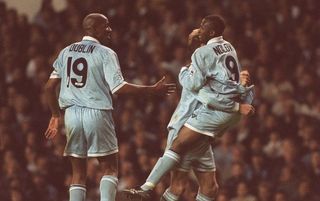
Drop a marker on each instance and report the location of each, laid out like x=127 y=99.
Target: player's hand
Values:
x=194 y=40
x=193 y=36
x=162 y=88
x=244 y=78
x=246 y=109
x=53 y=127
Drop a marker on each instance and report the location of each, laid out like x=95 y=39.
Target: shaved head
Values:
x=91 y=21
x=97 y=26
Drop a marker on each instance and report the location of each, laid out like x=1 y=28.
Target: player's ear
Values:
x=212 y=33
x=97 y=33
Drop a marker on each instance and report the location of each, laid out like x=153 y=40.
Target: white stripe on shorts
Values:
x=198 y=131
x=91 y=155
x=74 y=155
x=205 y=170
x=103 y=154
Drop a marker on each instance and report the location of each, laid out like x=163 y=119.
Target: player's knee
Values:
x=177 y=189
x=172 y=193
x=177 y=146
x=111 y=171
x=210 y=188
x=215 y=189
x=108 y=167
x=78 y=178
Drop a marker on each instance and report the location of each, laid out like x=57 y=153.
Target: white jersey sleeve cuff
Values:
x=236 y=107
x=183 y=68
x=114 y=90
x=54 y=75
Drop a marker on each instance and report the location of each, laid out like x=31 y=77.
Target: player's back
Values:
x=223 y=77
x=221 y=67
x=86 y=69
x=224 y=64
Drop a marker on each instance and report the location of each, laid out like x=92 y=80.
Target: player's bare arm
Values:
x=158 y=88
x=194 y=40
x=245 y=109
x=50 y=92
x=245 y=78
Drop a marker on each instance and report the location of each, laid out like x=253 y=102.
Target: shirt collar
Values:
x=90 y=38
x=215 y=39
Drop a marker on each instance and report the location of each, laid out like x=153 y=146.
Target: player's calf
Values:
x=202 y=197
x=169 y=196
x=209 y=190
x=208 y=186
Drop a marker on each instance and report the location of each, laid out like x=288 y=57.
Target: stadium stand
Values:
x=272 y=156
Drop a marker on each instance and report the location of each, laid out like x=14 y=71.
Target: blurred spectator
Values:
x=264 y=192
x=238 y=175
x=223 y=156
x=288 y=182
x=305 y=192
x=243 y=193
x=274 y=145
x=222 y=196
x=257 y=171
x=280 y=196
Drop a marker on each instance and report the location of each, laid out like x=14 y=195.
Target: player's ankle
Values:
x=147 y=186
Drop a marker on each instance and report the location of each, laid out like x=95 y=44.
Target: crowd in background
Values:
x=271 y=156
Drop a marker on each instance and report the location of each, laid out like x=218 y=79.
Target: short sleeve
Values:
x=194 y=77
x=112 y=72
x=55 y=75
x=58 y=63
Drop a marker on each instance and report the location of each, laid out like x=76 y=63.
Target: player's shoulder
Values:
x=225 y=41
x=203 y=50
x=64 y=50
x=107 y=51
x=67 y=48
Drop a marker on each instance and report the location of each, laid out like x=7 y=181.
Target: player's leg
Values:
x=209 y=122
x=203 y=123
x=208 y=186
x=76 y=150
x=109 y=181
x=185 y=139
x=177 y=186
x=199 y=157
x=77 y=190
x=167 y=162
x=103 y=145
x=205 y=170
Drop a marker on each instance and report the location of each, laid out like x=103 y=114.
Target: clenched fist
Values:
x=194 y=40
x=244 y=78
x=246 y=109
